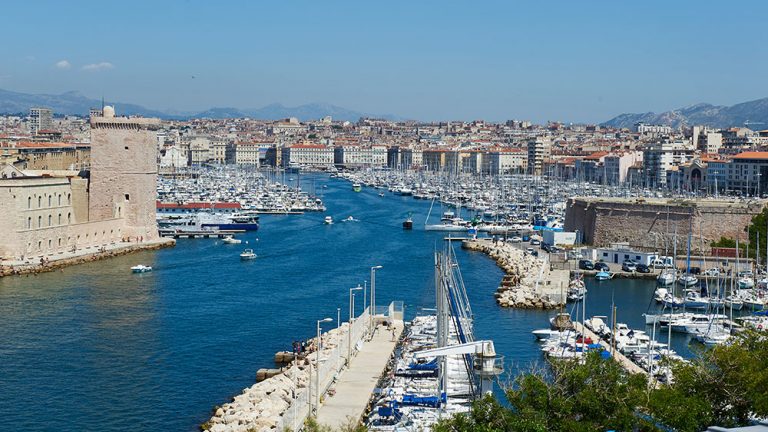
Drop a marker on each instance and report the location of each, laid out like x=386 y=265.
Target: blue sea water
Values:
x=94 y=347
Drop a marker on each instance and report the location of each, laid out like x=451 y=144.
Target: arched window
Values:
x=39 y=221
x=29 y=202
x=50 y=243
x=59 y=218
x=59 y=241
x=59 y=199
x=69 y=199
x=50 y=200
x=69 y=218
x=40 y=245
x=29 y=222
x=39 y=201
x=50 y=220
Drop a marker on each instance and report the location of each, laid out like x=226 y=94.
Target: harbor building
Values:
x=47 y=215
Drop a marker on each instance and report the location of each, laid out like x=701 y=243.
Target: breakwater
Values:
x=84 y=256
x=529 y=282
x=284 y=400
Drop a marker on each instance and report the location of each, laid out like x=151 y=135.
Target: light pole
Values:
x=317 y=365
x=373 y=298
x=351 y=316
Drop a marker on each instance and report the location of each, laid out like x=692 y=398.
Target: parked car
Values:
x=658 y=263
x=629 y=266
x=515 y=239
x=586 y=264
x=642 y=268
x=526 y=238
x=535 y=242
x=546 y=247
x=601 y=266
x=714 y=272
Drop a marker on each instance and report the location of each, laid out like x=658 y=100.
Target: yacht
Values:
x=666 y=277
x=231 y=240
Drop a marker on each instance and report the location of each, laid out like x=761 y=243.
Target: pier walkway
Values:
x=626 y=363
x=356 y=384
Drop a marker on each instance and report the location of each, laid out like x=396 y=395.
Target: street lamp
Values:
x=373 y=298
x=317 y=365
x=351 y=316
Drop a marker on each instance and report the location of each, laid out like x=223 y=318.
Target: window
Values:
x=59 y=199
x=40 y=245
x=59 y=219
x=69 y=199
x=39 y=221
x=50 y=200
x=59 y=241
x=39 y=201
x=50 y=220
x=29 y=222
x=50 y=243
x=69 y=218
x=29 y=202
x=126 y=147
x=127 y=197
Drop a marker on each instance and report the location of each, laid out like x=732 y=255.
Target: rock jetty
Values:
x=518 y=288
x=262 y=406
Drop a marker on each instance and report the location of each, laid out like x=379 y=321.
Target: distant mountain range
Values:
x=74 y=103
x=754 y=114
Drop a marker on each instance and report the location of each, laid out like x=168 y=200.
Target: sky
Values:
x=572 y=61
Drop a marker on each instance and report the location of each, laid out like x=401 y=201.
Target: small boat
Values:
x=356 y=187
x=381 y=194
x=231 y=240
x=603 y=275
x=247 y=255
x=688 y=280
x=141 y=268
x=350 y=219
x=666 y=278
x=408 y=224
x=328 y=220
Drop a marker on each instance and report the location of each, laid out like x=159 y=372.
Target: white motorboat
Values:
x=328 y=220
x=141 y=268
x=746 y=283
x=603 y=275
x=688 y=280
x=247 y=254
x=231 y=240
x=666 y=278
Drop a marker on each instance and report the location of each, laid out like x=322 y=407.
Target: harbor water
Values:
x=95 y=347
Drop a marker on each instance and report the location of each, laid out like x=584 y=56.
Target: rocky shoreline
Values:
x=27 y=269
x=262 y=406
x=518 y=288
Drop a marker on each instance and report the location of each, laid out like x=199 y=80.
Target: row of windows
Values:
x=50 y=200
x=50 y=220
x=60 y=240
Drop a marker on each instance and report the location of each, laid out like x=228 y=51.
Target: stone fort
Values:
x=651 y=224
x=46 y=215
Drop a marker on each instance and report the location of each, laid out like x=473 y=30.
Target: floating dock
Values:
x=198 y=233
x=625 y=362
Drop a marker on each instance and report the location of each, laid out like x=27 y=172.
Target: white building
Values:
x=40 y=119
x=354 y=156
x=310 y=155
x=660 y=157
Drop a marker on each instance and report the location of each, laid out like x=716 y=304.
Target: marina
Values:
x=190 y=296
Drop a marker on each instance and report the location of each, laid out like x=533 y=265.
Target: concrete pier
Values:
x=356 y=384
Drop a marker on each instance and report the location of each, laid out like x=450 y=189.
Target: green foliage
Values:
x=759 y=226
x=724 y=242
x=724 y=386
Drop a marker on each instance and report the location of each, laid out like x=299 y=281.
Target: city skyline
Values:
x=427 y=61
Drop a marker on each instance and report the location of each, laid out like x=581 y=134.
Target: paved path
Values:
x=356 y=384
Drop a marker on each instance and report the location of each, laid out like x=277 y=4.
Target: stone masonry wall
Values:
x=652 y=225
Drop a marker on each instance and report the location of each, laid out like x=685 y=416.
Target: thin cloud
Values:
x=63 y=64
x=97 y=67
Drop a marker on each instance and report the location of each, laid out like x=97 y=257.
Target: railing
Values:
x=331 y=363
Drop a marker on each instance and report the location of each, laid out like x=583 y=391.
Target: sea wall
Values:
x=529 y=282
x=83 y=256
x=282 y=401
x=651 y=224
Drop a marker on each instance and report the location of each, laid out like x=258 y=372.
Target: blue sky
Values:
x=580 y=61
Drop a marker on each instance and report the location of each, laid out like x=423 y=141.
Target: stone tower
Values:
x=123 y=178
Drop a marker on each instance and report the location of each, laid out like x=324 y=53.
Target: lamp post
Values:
x=373 y=298
x=351 y=316
x=317 y=365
